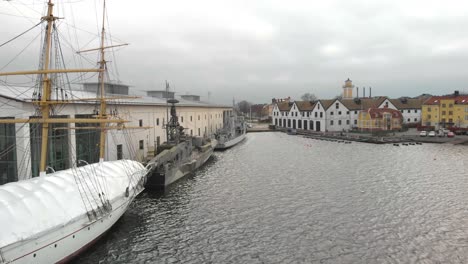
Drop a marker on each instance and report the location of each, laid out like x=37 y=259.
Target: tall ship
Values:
x=233 y=132
x=179 y=156
x=61 y=206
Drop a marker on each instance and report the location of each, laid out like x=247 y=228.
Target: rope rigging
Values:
x=3 y=44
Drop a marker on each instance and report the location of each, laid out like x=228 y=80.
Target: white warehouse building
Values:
x=146 y=115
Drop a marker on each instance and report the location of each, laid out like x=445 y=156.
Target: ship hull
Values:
x=46 y=219
x=63 y=244
x=158 y=181
x=230 y=143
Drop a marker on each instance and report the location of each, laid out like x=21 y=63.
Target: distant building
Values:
x=446 y=111
x=380 y=119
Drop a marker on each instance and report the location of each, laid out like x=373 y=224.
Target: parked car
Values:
x=450 y=134
x=431 y=134
x=423 y=134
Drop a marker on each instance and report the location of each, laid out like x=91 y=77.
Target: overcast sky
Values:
x=257 y=50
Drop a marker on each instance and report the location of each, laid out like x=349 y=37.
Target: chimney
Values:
x=370 y=92
x=456 y=93
x=363 y=92
x=357 y=92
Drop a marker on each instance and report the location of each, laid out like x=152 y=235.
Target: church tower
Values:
x=348 y=89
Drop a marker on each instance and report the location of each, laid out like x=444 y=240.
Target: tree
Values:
x=244 y=106
x=308 y=97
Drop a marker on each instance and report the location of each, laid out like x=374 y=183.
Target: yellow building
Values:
x=445 y=111
x=380 y=119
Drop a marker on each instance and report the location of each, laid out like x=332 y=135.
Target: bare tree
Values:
x=308 y=97
x=244 y=106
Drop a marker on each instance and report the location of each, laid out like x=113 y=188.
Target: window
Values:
x=337 y=105
x=190 y=118
x=409 y=111
x=318 y=107
x=181 y=119
x=443 y=105
x=416 y=110
x=331 y=122
x=321 y=114
x=191 y=132
x=296 y=113
x=316 y=113
x=428 y=116
x=198 y=117
x=415 y=120
x=339 y=112
x=119 y=152
x=347 y=112
x=355 y=112
x=140 y=122
x=331 y=113
x=347 y=122
x=339 y=122
x=450 y=120
x=443 y=112
x=198 y=130
x=157 y=121
x=386 y=104
x=409 y=120
x=450 y=112
x=141 y=144
x=450 y=105
x=355 y=121
x=429 y=109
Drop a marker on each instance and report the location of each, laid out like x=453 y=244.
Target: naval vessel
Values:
x=179 y=156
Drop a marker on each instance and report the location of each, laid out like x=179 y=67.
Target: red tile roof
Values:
x=379 y=112
x=459 y=99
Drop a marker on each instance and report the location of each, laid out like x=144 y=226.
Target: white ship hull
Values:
x=63 y=242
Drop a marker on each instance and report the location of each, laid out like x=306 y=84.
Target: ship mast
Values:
x=46 y=88
x=102 y=67
x=45 y=102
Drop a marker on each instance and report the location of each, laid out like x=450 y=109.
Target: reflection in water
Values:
x=281 y=199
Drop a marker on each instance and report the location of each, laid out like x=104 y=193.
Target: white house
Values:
x=411 y=109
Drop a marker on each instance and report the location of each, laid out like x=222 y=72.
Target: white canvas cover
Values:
x=30 y=207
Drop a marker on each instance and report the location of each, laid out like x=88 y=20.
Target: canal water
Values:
x=287 y=199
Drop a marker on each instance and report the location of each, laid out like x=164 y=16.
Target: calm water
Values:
x=287 y=199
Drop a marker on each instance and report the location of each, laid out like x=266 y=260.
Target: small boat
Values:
x=291 y=131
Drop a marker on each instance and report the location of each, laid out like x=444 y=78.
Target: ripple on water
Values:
x=286 y=199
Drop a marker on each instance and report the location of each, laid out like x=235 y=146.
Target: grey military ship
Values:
x=178 y=156
x=233 y=132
